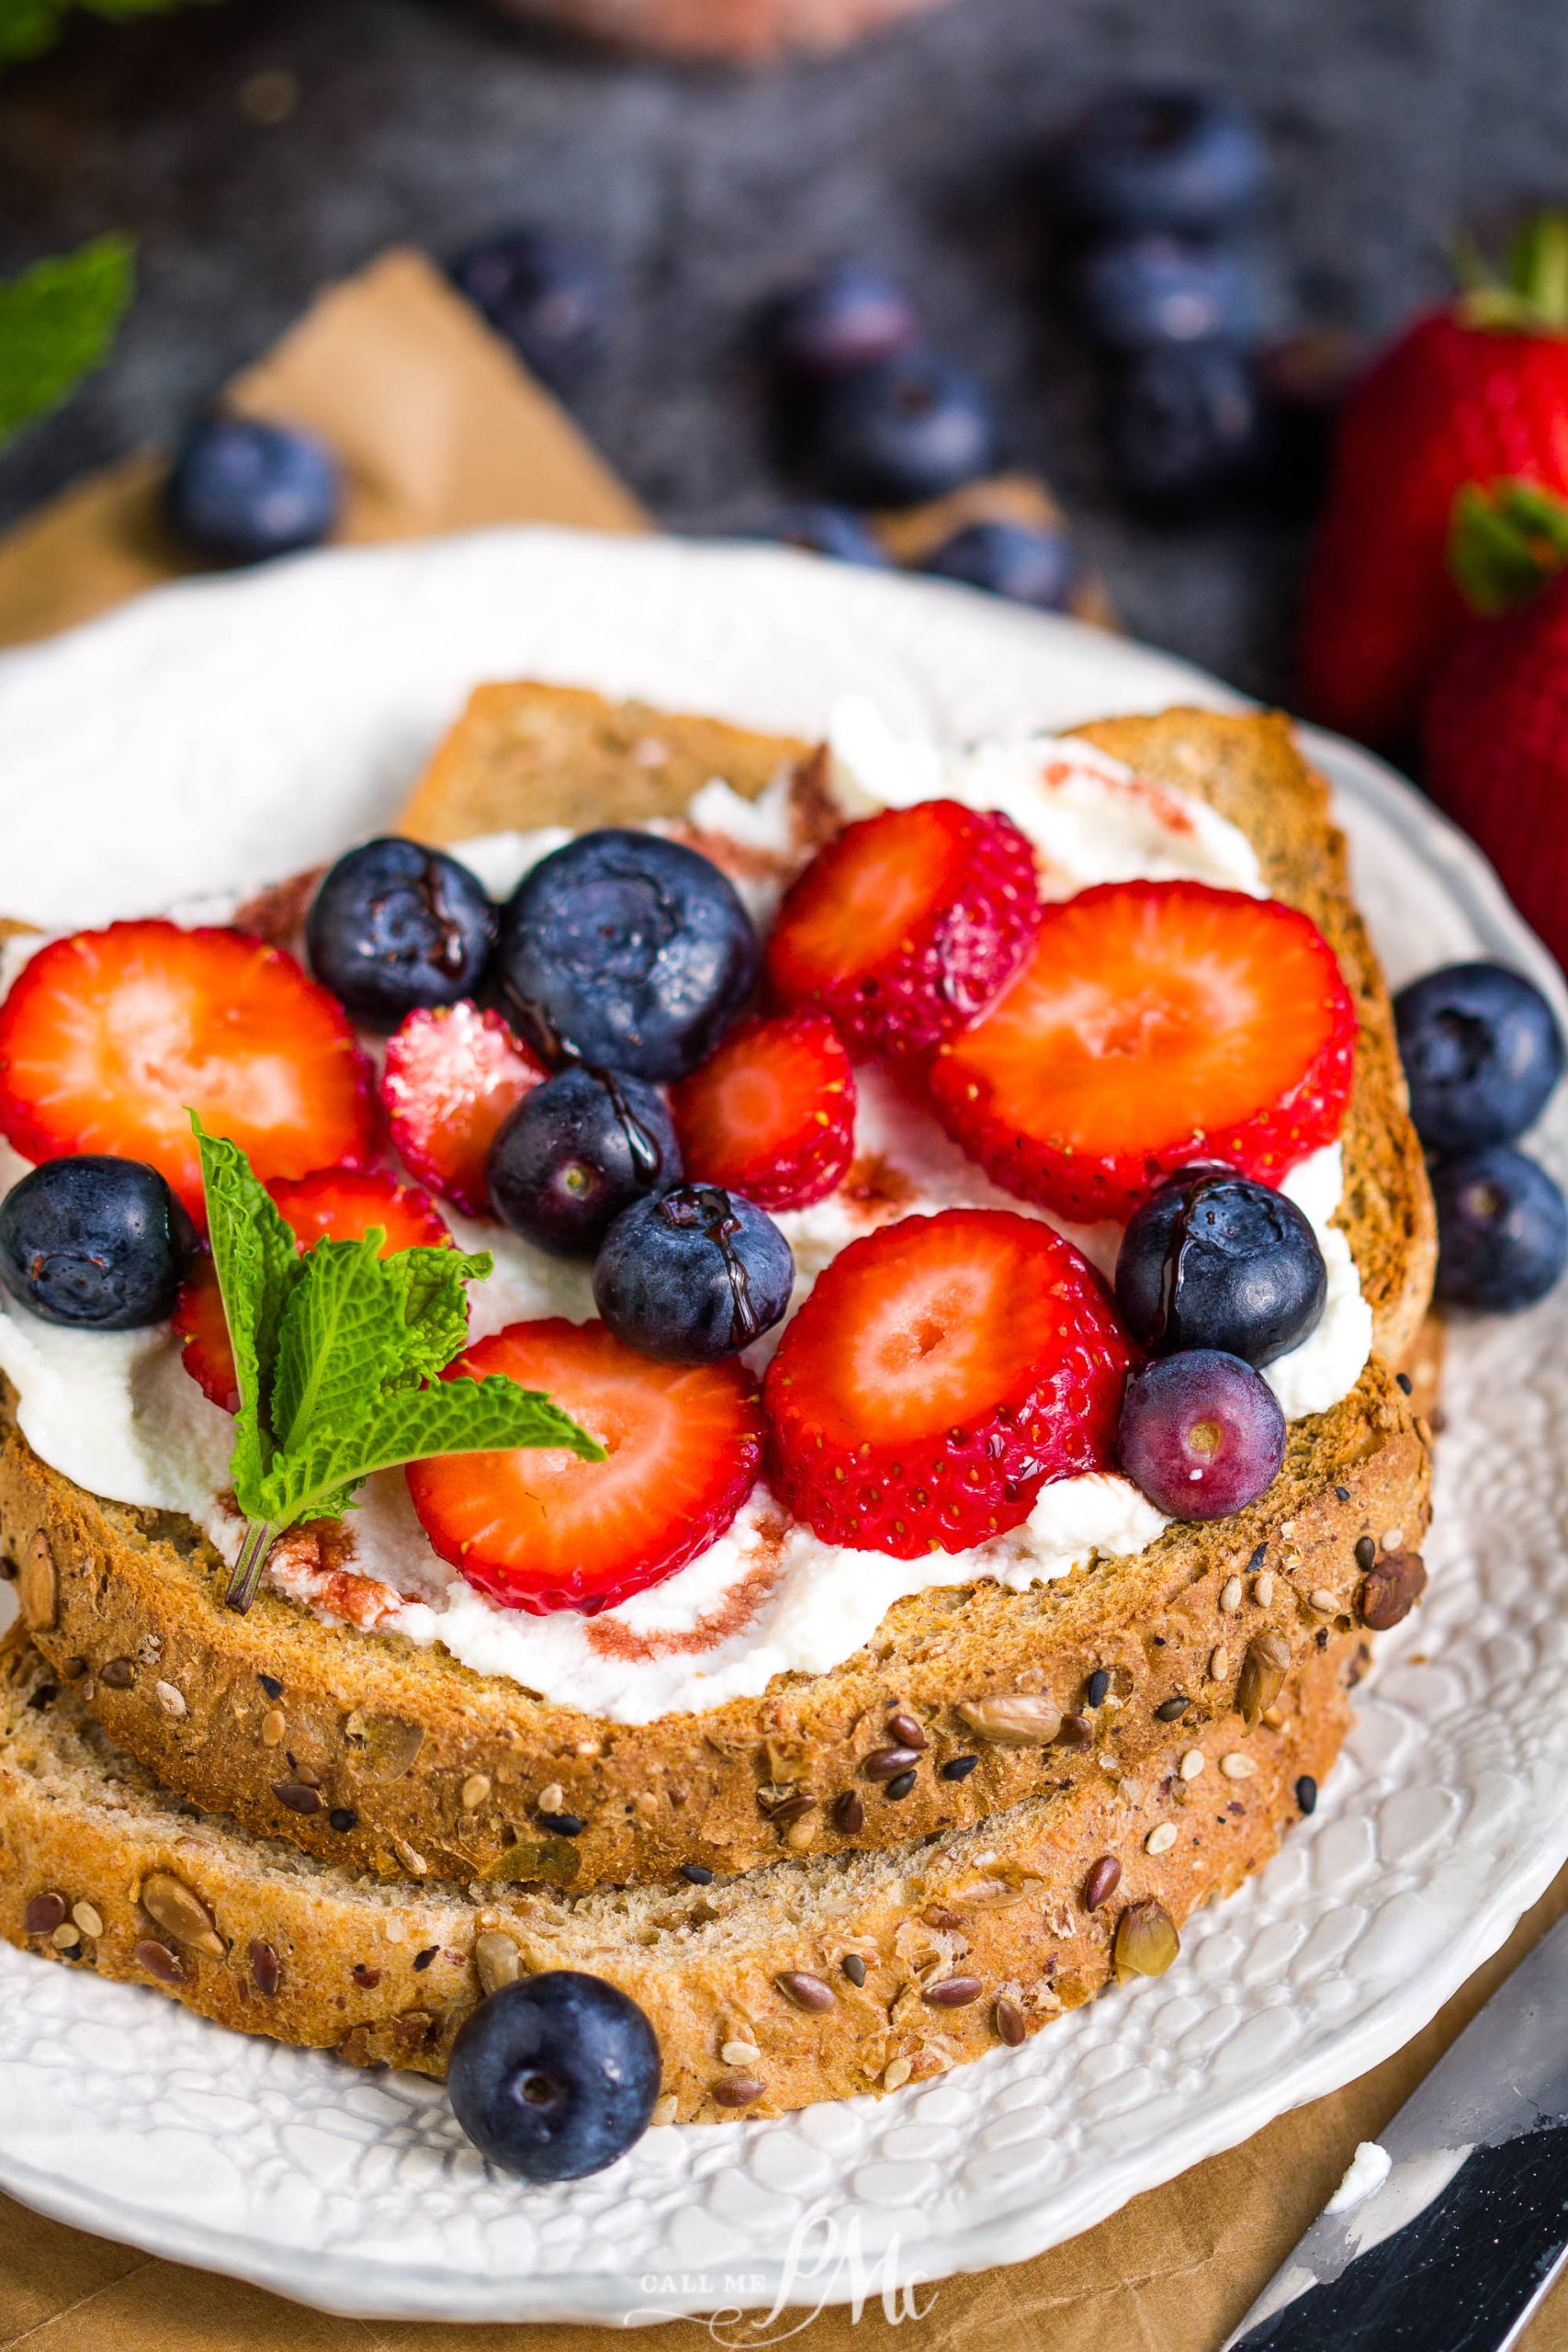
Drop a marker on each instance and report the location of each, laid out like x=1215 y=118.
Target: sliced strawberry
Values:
x=110 y=1039
x=342 y=1204
x=451 y=1075
x=771 y=1114
x=941 y=1371
x=539 y=1530
x=906 y=924
x=1154 y=1023
x=334 y=1204
x=200 y=1322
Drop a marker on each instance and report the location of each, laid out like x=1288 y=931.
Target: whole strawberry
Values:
x=1495 y=729
x=1474 y=391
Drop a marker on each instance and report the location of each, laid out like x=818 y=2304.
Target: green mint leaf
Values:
x=257 y=1263
x=452 y=1417
x=57 y=320
x=434 y=1304
x=340 y=1341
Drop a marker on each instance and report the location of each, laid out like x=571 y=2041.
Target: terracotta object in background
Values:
x=744 y=31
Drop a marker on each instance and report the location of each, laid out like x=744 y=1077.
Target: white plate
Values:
x=227 y=732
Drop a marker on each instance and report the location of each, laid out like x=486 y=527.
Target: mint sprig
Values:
x=57 y=322
x=335 y=1358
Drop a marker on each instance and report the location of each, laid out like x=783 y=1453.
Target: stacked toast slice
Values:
x=736 y=1869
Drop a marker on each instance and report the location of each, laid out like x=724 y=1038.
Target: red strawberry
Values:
x=941 y=1371
x=342 y=1205
x=1155 y=1023
x=110 y=1039
x=452 y=1074
x=1468 y=392
x=335 y=1204
x=771 y=1114
x=1495 y=725
x=906 y=924
x=542 y=1530
x=200 y=1322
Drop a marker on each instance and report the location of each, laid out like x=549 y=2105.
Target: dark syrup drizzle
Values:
x=705 y=1205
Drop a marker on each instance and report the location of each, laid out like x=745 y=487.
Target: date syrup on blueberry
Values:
x=642 y=1147
x=705 y=1205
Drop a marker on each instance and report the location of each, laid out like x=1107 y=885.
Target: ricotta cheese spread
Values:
x=116 y=1413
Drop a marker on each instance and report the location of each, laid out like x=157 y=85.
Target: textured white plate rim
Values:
x=356 y=2284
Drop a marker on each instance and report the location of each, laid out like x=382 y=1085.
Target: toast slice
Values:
x=362 y=1750
x=953 y=1945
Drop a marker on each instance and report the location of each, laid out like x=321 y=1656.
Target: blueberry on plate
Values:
x=693 y=1275
x=907 y=428
x=574 y=1153
x=1201 y=1433
x=240 y=491
x=627 y=951
x=848 y=315
x=1027 y=562
x=554 y=2076
x=1154 y=158
x=97 y=1243
x=1482 y=1052
x=394 y=926
x=1219 y=1261
x=1502 y=1230
x=548 y=297
x=822 y=529
x=1187 y=425
x=1139 y=292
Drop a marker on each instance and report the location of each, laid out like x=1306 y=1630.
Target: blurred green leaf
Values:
x=57 y=320
x=28 y=27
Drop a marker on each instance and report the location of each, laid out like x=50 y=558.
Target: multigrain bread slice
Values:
x=362 y=1750
x=811 y=1979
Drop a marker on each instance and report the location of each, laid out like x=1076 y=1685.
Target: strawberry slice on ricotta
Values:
x=110 y=1039
x=539 y=1530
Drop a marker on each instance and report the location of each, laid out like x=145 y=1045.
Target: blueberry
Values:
x=1187 y=425
x=1139 y=292
x=627 y=951
x=96 y=1242
x=822 y=529
x=1024 y=561
x=548 y=298
x=907 y=428
x=1482 y=1052
x=693 y=1274
x=1201 y=1433
x=554 y=2076
x=1154 y=158
x=575 y=1152
x=395 y=925
x=1220 y=1262
x=1502 y=1230
x=850 y=314
x=240 y=491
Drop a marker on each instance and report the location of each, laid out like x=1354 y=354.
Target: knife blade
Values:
x=1448 y=2231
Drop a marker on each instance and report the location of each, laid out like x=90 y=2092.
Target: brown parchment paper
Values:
x=442 y=431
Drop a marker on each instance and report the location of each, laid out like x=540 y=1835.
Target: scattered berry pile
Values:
x=1482 y=1053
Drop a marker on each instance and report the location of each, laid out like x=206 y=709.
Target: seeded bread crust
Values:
x=963 y=1942
x=362 y=1750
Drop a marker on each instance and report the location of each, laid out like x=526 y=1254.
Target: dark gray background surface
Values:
x=1391 y=121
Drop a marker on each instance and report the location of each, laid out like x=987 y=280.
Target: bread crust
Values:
x=387 y=1745
x=383 y=1746
x=99 y=1868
